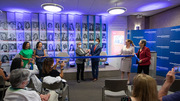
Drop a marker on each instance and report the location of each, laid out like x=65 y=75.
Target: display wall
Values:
x=165 y=41
x=57 y=32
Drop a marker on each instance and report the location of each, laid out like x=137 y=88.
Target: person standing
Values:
x=39 y=53
x=80 y=62
x=126 y=62
x=26 y=53
x=144 y=55
x=95 y=51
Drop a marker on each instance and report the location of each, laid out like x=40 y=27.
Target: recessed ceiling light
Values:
x=52 y=7
x=116 y=10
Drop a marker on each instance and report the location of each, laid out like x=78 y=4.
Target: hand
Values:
x=140 y=61
x=33 y=61
x=62 y=64
x=90 y=55
x=44 y=97
x=170 y=76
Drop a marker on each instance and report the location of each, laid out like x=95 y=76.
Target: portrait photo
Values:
x=27 y=25
x=11 y=36
x=91 y=36
x=64 y=46
x=57 y=36
x=50 y=26
x=104 y=27
x=78 y=37
x=58 y=47
x=50 y=36
x=27 y=36
x=84 y=36
x=97 y=35
x=84 y=26
x=71 y=27
x=90 y=45
x=35 y=25
x=57 y=26
x=35 y=36
x=44 y=45
x=3 y=36
x=20 y=26
x=43 y=36
x=4 y=47
x=64 y=27
x=43 y=26
x=85 y=46
x=103 y=37
x=64 y=36
x=20 y=36
x=103 y=46
x=71 y=36
x=3 y=25
x=71 y=55
x=97 y=26
x=71 y=47
x=50 y=47
x=11 y=57
x=19 y=46
x=78 y=27
x=91 y=27
x=5 y=59
x=12 y=47
x=12 y=25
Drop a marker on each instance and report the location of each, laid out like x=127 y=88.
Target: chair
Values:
x=56 y=86
x=2 y=88
x=64 y=54
x=103 y=59
x=175 y=86
x=115 y=88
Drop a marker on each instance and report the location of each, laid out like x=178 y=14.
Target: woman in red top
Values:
x=144 y=55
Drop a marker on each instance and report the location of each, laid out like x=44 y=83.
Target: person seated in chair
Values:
x=4 y=75
x=144 y=89
x=19 y=78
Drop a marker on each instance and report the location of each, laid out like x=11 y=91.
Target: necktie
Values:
x=95 y=48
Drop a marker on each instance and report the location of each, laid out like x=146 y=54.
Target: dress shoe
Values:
x=78 y=81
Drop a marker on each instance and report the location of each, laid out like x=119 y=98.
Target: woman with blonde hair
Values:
x=126 y=62
x=144 y=89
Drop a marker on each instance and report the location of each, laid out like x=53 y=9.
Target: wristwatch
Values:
x=62 y=69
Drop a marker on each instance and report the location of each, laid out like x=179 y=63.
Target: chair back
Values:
x=103 y=54
x=64 y=54
x=53 y=86
x=116 y=85
x=175 y=86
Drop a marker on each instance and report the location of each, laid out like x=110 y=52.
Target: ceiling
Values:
x=91 y=7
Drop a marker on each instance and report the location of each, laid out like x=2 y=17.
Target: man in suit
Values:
x=80 y=62
x=95 y=51
x=144 y=55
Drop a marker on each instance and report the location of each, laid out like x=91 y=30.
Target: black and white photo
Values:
x=3 y=36
x=91 y=36
x=50 y=36
x=19 y=46
x=50 y=26
x=64 y=27
x=71 y=47
x=58 y=47
x=27 y=25
x=27 y=36
x=97 y=35
x=43 y=36
x=44 y=45
x=90 y=45
x=35 y=36
x=50 y=47
x=20 y=26
x=35 y=25
x=85 y=46
x=71 y=37
x=64 y=45
x=12 y=47
x=57 y=36
x=104 y=27
x=11 y=57
x=5 y=59
x=78 y=37
x=78 y=27
x=84 y=36
x=4 y=47
x=71 y=55
x=20 y=36
x=57 y=26
x=103 y=37
x=43 y=26
x=103 y=46
x=71 y=27
x=11 y=36
x=84 y=26
x=3 y=25
x=12 y=25
x=64 y=36
x=97 y=26
x=91 y=27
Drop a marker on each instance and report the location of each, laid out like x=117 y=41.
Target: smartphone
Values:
x=60 y=61
x=177 y=69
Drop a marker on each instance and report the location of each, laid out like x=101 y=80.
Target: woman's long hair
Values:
x=144 y=88
x=131 y=42
x=16 y=63
x=48 y=62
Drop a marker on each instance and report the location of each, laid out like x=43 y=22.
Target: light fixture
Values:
x=116 y=10
x=52 y=7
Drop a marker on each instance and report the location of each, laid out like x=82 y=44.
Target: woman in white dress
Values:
x=126 y=62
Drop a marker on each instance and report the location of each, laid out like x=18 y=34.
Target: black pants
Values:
x=145 y=69
x=39 y=65
x=80 y=68
x=95 y=69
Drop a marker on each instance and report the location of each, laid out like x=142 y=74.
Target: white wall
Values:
x=115 y=23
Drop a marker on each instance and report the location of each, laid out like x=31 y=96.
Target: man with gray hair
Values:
x=19 y=79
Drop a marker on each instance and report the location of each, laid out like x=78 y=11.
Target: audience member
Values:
x=19 y=78
x=4 y=75
x=162 y=95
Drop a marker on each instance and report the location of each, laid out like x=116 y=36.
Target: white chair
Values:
x=103 y=59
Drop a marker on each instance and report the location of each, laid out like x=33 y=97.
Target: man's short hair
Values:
x=143 y=41
x=98 y=39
